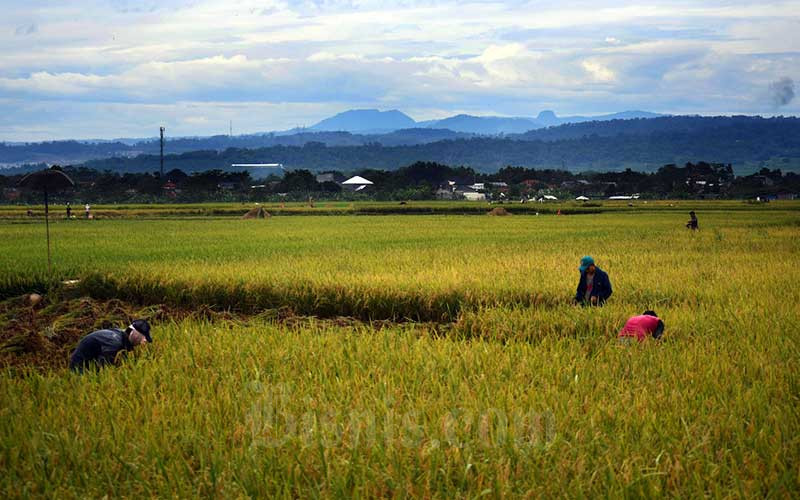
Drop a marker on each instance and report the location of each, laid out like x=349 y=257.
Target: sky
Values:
x=122 y=68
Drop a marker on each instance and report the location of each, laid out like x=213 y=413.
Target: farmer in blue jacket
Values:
x=594 y=287
x=101 y=347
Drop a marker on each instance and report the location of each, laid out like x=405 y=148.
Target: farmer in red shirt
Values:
x=648 y=324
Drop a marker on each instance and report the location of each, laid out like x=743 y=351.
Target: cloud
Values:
x=782 y=91
x=598 y=71
x=26 y=30
x=329 y=56
x=480 y=56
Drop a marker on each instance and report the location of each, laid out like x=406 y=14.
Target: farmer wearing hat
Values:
x=101 y=347
x=594 y=288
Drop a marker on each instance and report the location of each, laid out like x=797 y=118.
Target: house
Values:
x=473 y=196
x=11 y=194
x=170 y=189
x=764 y=180
x=356 y=183
x=467 y=193
x=485 y=186
x=444 y=193
x=459 y=181
x=776 y=196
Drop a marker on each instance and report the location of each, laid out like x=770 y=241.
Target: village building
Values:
x=357 y=183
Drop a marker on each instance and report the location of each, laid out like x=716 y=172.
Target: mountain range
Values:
x=373 y=121
x=350 y=128
x=747 y=142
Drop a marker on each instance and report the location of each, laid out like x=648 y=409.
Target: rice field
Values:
x=428 y=355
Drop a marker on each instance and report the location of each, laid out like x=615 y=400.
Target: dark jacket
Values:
x=99 y=349
x=601 y=287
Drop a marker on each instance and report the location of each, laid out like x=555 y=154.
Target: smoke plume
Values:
x=782 y=91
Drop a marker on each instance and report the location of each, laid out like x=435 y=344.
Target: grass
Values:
x=516 y=393
x=264 y=411
x=206 y=210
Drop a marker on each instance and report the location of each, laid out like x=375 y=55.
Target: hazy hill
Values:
x=486 y=125
x=366 y=121
x=350 y=128
x=642 y=126
x=745 y=142
x=494 y=125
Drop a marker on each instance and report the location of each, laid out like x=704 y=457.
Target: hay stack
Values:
x=256 y=213
x=498 y=211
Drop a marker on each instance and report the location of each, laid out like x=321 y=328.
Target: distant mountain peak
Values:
x=366 y=120
x=374 y=121
x=487 y=125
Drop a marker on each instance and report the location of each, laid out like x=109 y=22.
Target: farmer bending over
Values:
x=692 y=223
x=647 y=324
x=101 y=347
x=594 y=287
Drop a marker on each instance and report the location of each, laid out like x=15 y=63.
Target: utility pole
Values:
x=162 y=152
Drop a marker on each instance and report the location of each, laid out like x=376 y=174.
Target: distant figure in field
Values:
x=594 y=287
x=692 y=223
x=647 y=324
x=87 y=207
x=100 y=348
x=69 y=211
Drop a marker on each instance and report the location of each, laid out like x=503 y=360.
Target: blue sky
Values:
x=104 y=69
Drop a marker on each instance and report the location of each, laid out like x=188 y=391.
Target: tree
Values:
x=298 y=180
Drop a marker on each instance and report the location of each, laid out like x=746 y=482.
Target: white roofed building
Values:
x=357 y=183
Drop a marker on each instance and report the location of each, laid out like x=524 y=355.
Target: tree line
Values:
x=417 y=181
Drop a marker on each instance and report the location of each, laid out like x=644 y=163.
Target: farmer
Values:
x=692 y=224
x=69 y=211
x=101 y=347
x=594 y=287
x=86 y=210
x=647 y=324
